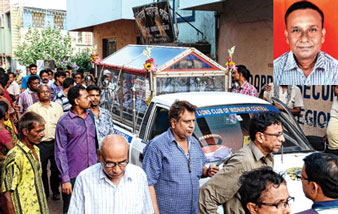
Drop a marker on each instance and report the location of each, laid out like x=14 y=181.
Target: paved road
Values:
x=55 y=207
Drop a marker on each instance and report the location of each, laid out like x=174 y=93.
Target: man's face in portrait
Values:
x=305 y=33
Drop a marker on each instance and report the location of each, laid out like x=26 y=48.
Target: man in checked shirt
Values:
x=174 y=163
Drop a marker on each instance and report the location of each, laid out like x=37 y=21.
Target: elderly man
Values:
x=51 y=112
x=75 y=144
x=266 y=134
x=113 y=185
x=264 y=191
x=241 y=76
x=21 y=179
x=305 y=64
x=174 y=163
x=320 y=182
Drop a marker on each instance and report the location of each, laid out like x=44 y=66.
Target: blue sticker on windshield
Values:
x=126 y=136
x=242 y=109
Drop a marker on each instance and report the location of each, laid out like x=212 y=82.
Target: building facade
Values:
x=18 y=16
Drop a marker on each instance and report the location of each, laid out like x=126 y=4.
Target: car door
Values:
x=290 y=122
x=154 y=123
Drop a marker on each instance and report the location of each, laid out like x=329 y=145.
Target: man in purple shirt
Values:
x=29 y=96
x=75 y=146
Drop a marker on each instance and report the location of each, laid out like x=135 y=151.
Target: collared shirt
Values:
x=287 y=72
x=104 y=124
x=14 y=88
x=22 y=175
x=291 y=97
x=75 y=148
x=54 y=90
x=174 y=176
x=223 y=187
x=326 y=207
x=51 y=114
x=94 y=192
x=246 y=88
x=62 y=99
x=26 y=99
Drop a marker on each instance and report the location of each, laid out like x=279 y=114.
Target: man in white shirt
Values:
x=13 y=86
x=113 y=185
x=290 y=95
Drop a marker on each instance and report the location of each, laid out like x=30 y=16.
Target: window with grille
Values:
x=38 y=19
x=108 y=46
x=58 y=21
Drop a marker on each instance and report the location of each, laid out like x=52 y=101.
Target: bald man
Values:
x=113 y=185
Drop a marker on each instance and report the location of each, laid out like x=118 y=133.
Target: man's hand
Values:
x=267 y=88
x=67 y=188
x=212 y=170
x=8 y=203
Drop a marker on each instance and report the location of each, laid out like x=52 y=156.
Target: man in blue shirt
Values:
x=320 y=182
x=33 y=69
x=174 y=163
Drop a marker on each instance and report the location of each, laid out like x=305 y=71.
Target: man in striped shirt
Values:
x=113 y=185
x=61 y=97
x=305 y=64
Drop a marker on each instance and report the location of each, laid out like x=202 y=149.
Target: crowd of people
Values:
x=57 y=119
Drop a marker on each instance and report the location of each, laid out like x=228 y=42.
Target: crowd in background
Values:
x=56 y=118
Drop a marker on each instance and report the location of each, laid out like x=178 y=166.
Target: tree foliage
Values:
x=48 y=44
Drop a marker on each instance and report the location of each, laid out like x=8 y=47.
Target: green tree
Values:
x=82 y=59
x=48 y=44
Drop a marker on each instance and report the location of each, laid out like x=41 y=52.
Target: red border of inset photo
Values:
x=330 y=10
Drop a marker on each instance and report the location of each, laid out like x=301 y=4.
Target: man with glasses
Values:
x=320 y=182
x=266 y=134
x=51 y=112
x=78 y=78
x=113 y=185
x=264 y=191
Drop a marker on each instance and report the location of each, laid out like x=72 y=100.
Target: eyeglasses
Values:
x=275 y=135
x=113 y=164
x=299 y=177
x=279 y=205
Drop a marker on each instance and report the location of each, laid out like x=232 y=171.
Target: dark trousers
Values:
x=47 y=153
x=66 y=197
x=335 y=152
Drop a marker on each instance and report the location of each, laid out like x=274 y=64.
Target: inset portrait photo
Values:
x=305 y=42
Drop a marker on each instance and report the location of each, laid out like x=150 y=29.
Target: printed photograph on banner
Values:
x=304 y=41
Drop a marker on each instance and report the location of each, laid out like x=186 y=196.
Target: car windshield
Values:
x=224 y=130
